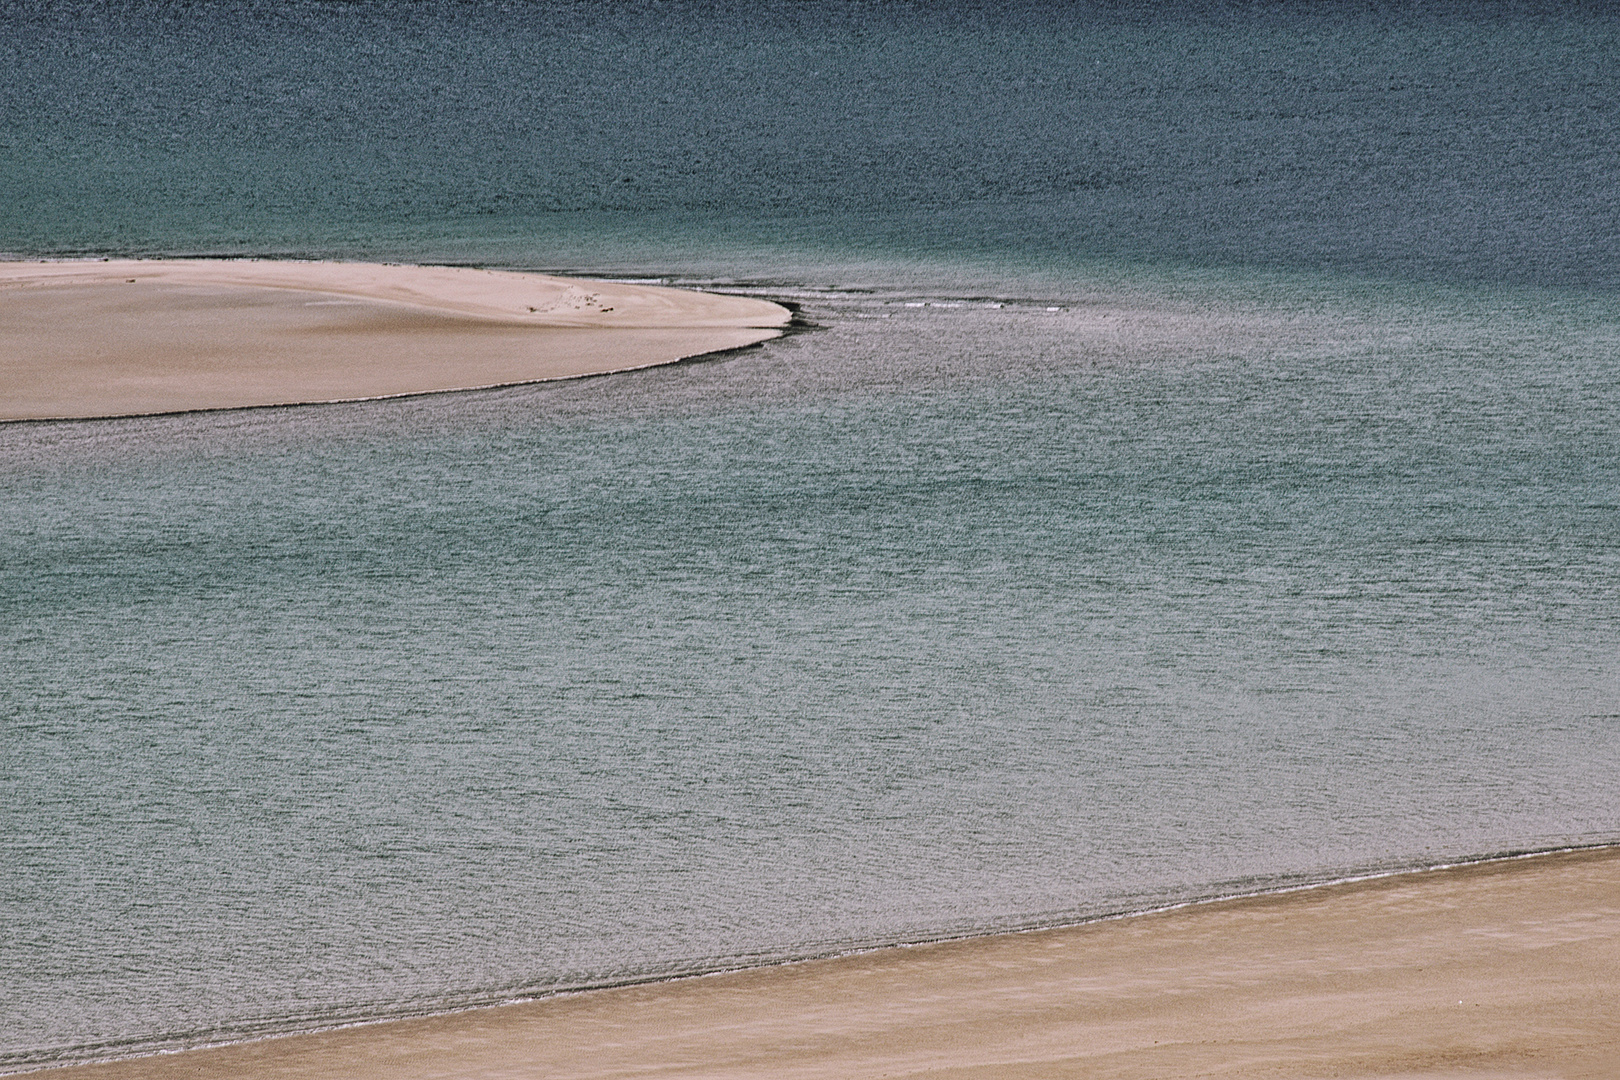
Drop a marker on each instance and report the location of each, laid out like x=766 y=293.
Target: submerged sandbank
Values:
x=1499 y=969
x=122 y=337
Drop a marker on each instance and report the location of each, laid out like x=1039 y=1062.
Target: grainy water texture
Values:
x=1197 y=473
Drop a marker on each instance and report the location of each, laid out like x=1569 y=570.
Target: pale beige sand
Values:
x=81 y=339
x=1504 y=969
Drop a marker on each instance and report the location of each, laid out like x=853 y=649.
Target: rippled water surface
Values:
x=1203 y=538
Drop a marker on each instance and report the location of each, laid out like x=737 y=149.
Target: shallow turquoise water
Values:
x=872 y=634
x=1177 y=539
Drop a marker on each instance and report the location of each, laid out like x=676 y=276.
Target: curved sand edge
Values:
x=82 y=339
x=1505 y=968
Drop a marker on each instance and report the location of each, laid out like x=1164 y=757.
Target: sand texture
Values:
x=1503 y=969
x=120 y=337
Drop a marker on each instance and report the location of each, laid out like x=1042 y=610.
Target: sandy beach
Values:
x=122 y=337
x=1503 y=969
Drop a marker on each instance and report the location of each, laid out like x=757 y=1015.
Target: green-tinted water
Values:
x=1099 y=553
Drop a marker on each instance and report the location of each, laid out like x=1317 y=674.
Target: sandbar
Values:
x=117 y=337
x=1508 y=968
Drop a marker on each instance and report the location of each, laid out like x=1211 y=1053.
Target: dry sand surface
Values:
x=119 y=337
x=1501 y=969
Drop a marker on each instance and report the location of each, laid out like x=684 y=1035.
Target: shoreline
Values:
x=108 y=338
x=6 y=421
x=301 y=1053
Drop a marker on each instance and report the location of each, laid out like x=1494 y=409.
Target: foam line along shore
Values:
x=1486 y=967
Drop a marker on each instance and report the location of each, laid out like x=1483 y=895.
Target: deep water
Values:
x=1195 y=473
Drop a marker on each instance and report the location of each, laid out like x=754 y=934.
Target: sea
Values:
x=1193 y=470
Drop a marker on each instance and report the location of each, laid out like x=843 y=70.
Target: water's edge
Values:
x=368 y=1015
